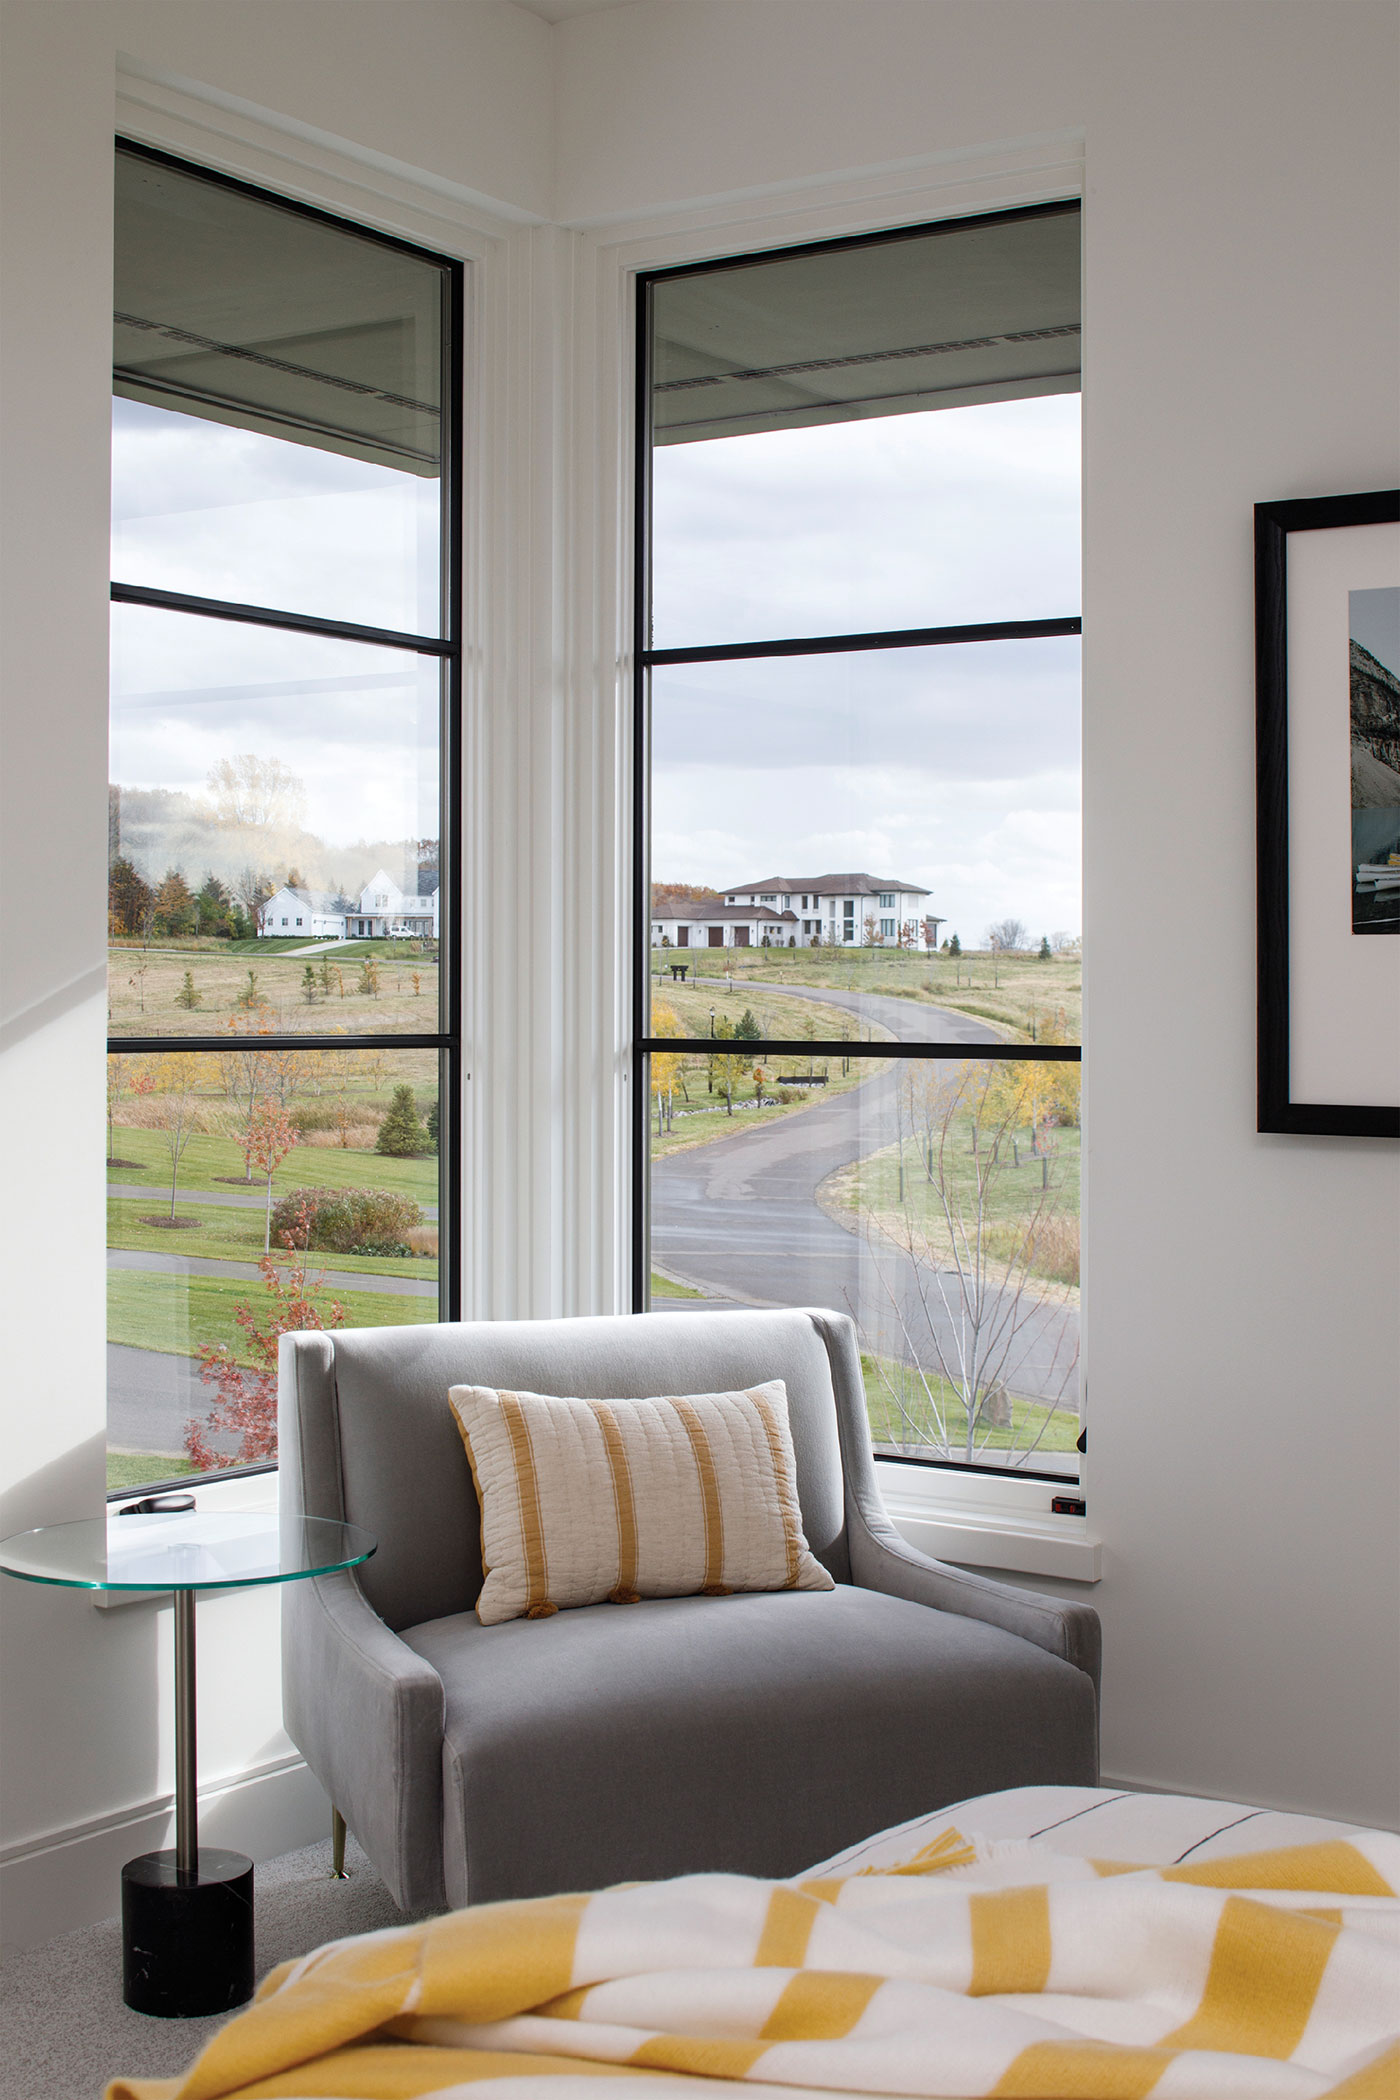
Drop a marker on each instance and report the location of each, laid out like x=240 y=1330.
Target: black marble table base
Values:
x=187 y=1939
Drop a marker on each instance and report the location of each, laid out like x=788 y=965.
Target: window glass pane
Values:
x=791 y=796
x=221 y=1166
x=278 y=434
x=875 y=437
x=273 y=797
x=935 y=1201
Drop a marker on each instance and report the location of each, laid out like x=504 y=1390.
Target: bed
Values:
x=1046 y=1943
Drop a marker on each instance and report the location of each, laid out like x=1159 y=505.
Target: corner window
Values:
x=859 y=664
x=285 y=699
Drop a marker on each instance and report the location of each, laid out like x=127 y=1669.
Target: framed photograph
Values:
x=1327 y=640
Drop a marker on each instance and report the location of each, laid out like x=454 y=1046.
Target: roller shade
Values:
x=986 y=311
x=272 y=322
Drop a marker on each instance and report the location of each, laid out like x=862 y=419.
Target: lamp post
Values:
x=712 y=1024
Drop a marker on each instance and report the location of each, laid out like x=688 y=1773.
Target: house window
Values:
x=286 y=686
x=861 y=537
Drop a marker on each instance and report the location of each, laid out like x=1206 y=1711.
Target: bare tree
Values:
x=255 y=793
x=961 y=1286
x=1007 y=936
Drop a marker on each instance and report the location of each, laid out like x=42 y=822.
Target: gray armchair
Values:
x=752 y=1734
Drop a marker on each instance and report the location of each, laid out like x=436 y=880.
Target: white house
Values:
x=384 y=911
x=727 y=926
x=316 y=913
x=804 y=911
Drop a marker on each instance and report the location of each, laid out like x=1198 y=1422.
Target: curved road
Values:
x=738 y=1218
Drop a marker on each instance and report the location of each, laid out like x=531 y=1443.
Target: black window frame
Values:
x=446 y=647
x=645 y=659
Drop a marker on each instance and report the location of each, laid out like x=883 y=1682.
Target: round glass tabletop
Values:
x=184 y=1550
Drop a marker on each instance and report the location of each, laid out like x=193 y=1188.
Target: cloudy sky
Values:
x=955 y=768
x=303 y=530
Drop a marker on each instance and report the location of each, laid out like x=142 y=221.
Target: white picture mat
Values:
x=1344 y=988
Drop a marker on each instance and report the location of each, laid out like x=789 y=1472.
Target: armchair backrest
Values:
x=366 y=1433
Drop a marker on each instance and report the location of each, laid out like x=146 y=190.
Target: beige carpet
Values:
x=64 y=2030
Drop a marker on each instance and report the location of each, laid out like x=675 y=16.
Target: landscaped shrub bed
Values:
x=346 y=1221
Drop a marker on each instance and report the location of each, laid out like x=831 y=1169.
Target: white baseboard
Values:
x=72 y=1877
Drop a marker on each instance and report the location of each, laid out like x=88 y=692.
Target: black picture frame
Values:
x=1273 y=523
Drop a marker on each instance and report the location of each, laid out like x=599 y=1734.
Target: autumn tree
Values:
x=129 y=899
x=664 y=1066
x=246 y=1405
x=271 y=1136
x=729 y=1065
x=175 y=914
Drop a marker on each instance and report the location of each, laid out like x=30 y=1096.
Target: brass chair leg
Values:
x=338 y=1872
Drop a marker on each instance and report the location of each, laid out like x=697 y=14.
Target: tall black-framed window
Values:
x=857 y=785
x=284 y=816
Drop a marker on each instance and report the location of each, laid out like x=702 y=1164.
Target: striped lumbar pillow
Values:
x=593 y=1501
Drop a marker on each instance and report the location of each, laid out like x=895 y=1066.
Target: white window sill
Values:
x=250 y=1492
x=981 y=1521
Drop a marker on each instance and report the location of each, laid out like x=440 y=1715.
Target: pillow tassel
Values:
x=542 y=1611
x=716 y=1589
x=623 y=1595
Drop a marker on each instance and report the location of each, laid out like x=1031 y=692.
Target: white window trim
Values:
x=547 y=788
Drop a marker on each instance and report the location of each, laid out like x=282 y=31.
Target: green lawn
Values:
x=904 y=1415
x=176 y=1315
x=237 y=1235
x=137 y=1469
x=306 y=1166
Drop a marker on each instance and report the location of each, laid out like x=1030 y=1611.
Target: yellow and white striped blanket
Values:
x=974 y=1966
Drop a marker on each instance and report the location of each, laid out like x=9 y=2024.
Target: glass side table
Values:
x=187 y=1915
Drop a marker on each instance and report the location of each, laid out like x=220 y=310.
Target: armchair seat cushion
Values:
x=750 y=1733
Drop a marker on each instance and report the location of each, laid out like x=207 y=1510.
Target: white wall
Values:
x=1240 y=344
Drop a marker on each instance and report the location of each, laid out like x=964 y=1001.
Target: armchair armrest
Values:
x=882 y=1560
x=367 y=1714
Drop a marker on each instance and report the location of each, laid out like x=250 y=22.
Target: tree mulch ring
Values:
x=172 y=1224
x=237 y=1181
x=139 y=1164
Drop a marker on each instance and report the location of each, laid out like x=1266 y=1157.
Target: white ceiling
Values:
x=561 y=10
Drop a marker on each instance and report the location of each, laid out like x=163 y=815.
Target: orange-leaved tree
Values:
x=246 y=1406
x=271 y=1136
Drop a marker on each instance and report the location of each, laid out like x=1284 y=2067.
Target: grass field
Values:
x=145 y=986
x=177 y=1315
x=137 y=1469
x=788 y=1020
x=1017 y=993
x=900 y=1404
x=1012 y=1198
x=211 y=1155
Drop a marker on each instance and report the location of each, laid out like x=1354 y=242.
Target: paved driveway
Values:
x=739 y=1219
